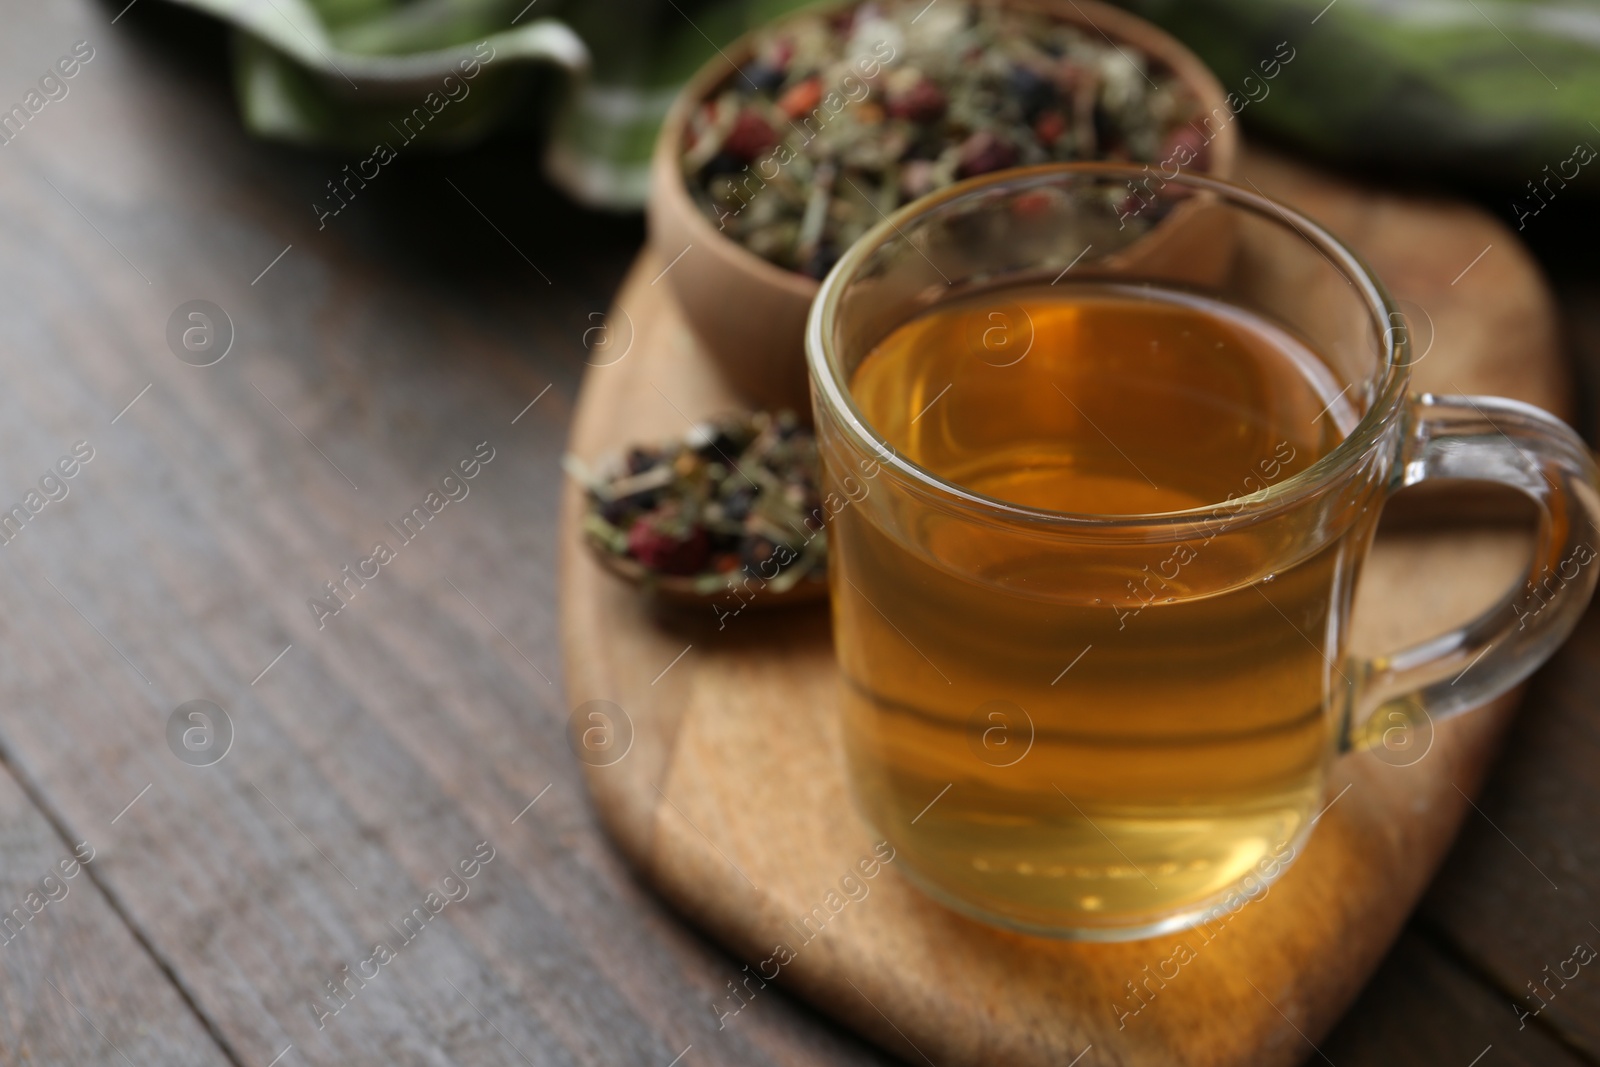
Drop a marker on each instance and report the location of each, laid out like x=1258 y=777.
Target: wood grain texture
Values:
x=731 y=800
x=75 y=986
x=375 y=755
x=1418 y=984
x=403 y=333
x=1521 y=893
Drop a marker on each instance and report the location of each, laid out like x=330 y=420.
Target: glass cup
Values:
x=1100 y=726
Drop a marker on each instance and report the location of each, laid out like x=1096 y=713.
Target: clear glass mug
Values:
x=1047 y=742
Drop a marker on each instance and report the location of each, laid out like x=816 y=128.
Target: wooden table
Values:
x=419 y=733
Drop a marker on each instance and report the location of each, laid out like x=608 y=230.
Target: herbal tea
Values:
x=1060 y=729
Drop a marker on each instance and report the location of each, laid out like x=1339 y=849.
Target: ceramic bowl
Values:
x=750 y=314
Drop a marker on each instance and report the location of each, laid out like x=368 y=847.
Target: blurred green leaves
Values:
x=1479 y=92
x=1484 y=92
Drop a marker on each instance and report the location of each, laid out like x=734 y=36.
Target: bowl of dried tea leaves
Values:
x=805 y=134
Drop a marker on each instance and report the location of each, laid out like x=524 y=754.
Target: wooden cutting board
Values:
x=726 y=789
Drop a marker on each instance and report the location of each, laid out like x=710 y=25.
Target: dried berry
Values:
x=751 y=135
x=642 y=459
x=736 y=505
x=765 y=558
x=1033 y=92
x=923 y=102
x=665 y=551
x=1187 y=148
x=984 y=152
x=1049 y=127
x=762 y=75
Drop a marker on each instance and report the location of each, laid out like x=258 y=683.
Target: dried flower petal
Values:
x=801 y=98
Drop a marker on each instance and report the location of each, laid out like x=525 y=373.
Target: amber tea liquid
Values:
x=1061 y=731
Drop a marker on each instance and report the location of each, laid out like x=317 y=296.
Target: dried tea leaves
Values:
x=840 y=118
x=735 y=500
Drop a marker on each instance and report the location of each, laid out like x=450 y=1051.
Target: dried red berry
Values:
x=1049 y=127
x=923 y=102
x=750 y=136
x=1185 y=147
x=665 y=553
x=984 y=152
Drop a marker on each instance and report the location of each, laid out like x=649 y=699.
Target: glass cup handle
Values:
x=1515 y=444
